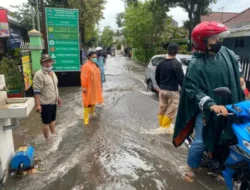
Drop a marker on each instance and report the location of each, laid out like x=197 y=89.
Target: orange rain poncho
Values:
x=91 y=80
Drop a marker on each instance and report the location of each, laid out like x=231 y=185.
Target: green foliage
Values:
x=23 y=14
x=13 y=76
x=58 y=3
x=160 y=50
x=130 y=2
x=92 y=39
x=142 y=55
x=145 y=24
x=16 y=53
x=194 y=8
x=184 y=49
x=120 y=19
x=107 y=36
x=90 y=13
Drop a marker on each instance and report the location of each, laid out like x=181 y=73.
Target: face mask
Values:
x=47 y=69
x=215 y=47
x=95 y=60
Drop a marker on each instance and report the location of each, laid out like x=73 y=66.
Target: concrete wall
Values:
x=240 y=45
x=6 y=138
x=6 y=146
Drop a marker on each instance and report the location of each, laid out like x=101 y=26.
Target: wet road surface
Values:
x=115 y=152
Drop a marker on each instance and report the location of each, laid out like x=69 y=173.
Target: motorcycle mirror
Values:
x=223 y=91
x=186 y=62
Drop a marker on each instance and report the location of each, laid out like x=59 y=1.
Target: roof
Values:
x=239 y=20
x=217 y=16
x=239 y=31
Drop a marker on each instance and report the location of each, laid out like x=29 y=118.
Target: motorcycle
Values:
x=235 y=168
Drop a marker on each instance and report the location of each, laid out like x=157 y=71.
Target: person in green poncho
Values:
x=212 y=66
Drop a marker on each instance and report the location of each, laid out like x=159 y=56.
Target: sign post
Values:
x=63 y=38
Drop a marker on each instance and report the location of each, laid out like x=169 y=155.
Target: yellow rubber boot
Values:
x=86 y=116
x=160 y=118
x=92 y=113
x=166 y=122
x=92 y=110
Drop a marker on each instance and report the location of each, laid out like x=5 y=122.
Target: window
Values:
x=241 y=43
x=185 y=61
x=157 y=60
x=236 y=43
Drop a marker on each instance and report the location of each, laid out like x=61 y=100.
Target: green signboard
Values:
x=63 y=38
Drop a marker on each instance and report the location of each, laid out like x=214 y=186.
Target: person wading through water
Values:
x=91 y=86
x=169 y=76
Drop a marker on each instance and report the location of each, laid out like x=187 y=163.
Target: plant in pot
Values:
x=13 y=76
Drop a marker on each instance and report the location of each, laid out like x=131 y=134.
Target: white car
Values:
x=150 y=73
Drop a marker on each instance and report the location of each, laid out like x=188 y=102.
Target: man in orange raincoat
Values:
x=91 y=86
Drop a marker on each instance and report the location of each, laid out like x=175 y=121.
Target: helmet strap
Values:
x=205 y=42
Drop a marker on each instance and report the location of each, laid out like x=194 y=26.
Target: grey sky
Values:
x=180 y=15
x=112 y=8
x=116 y=6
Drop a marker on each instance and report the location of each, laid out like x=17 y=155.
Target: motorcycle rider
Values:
x=212 y=66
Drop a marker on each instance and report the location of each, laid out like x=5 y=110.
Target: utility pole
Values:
x=38 y=15
x=32 y=15
x=222 y=9
x=45 y=38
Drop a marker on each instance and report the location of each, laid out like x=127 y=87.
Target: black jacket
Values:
x=169 y=75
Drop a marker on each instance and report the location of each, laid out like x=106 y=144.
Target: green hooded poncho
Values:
x=205 y=73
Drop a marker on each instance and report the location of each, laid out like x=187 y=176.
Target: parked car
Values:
x=150 y=73
x=239 y=62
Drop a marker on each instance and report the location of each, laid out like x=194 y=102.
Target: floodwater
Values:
x=116 y=151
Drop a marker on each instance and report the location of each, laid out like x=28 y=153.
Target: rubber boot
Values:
x=92 y=110
x=92 y=113
x=160 y=118
x=166 y=122
x=86 y=116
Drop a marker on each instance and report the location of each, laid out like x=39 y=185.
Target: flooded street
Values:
x=115 y=152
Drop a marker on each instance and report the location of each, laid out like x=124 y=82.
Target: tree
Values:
x=130 y=2
x=194 y=8
x=58 y=3
x=107 y=36
x=92 y=38
x=145 y=24
x=120 y=19
x=90 y=13
x=23 y=14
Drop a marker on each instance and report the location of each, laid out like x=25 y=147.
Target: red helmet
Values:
x=205 y=30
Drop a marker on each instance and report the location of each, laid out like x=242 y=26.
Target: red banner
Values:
x=4 y=24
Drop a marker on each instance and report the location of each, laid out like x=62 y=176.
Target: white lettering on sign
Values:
x=53 y=56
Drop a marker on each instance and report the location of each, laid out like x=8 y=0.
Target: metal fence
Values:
x=24 y=46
